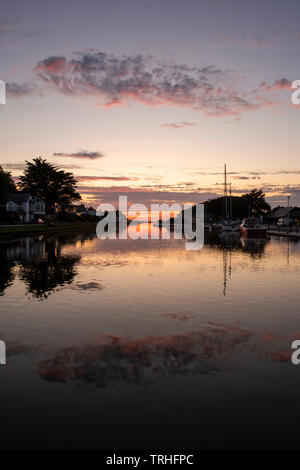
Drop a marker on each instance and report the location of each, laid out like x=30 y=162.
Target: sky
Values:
x=150 y=99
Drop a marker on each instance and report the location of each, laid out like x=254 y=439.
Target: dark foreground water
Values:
x=140 y=344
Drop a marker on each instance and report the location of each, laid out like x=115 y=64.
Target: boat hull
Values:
x=254 y=232
x=230 y=229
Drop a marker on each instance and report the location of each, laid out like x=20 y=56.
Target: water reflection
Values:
x=228 y=242
x=6 y=273
x=146 y=322
x=42 y=264
x=215 y=348
x=39 y=263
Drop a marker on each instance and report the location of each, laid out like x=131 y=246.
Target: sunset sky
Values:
x=150 y=99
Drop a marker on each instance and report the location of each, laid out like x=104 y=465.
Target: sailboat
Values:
x=251 y=227
x=228 y=224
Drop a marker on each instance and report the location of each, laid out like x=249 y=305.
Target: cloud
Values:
x=13 y=166
x=246 y=40
x=145 y=194
x=108 y=178
x=251 y=173
x=215 y=173
x=178 y=125
x=277 y=85
x=91 y=286
x=246 y=177
x=7 y=26
x=113 y=80
x=212 y=349
x=286 y=172
x=22 y=166
x=16 y=90
x=182 y=316
x=181 y=193
x=84 y=154
x=12 y=32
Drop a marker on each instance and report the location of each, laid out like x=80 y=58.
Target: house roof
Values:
x=23 y=197
x=295 y=212
x=19 y=197
x=285 y=211
x=37 y=199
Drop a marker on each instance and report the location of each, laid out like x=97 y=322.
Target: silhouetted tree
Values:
x=256 y=202
x=45 y=180
x=6 y=271
x=45 y=275
x=214 y=208
x=6 y=185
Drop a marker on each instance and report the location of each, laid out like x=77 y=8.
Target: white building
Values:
x=81 y=209
x=27 y=207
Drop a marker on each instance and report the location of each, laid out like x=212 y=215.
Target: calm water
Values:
x=142 y=344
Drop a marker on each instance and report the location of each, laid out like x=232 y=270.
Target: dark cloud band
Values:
x=83 y=154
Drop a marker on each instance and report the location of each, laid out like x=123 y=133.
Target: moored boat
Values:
x=229 y=226
x=252 y=228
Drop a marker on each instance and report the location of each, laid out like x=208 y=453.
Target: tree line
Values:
x=42 y=179
x=249 y=204
x=55 y=186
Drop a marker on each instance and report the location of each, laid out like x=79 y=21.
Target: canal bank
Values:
x=27 y=229
x=284 y=234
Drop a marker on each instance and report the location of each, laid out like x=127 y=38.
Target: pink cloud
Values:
x=277 y=85
x=178 y=125
x=113 y=81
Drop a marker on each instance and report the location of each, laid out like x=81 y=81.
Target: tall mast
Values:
x=230 y=211
x=225 y=191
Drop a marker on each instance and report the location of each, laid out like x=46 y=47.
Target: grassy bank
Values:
x=27 y=229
